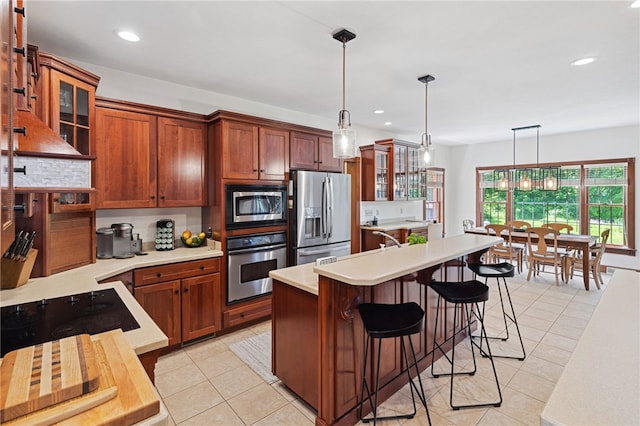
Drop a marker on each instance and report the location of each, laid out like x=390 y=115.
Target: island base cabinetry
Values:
x=302 y=331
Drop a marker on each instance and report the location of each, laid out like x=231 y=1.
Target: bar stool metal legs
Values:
x=384 y=321
x=501 y=270
x=469 y=294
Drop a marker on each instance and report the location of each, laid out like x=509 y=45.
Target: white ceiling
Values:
x=497 y=64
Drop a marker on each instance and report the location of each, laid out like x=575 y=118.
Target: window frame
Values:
x=629 y=207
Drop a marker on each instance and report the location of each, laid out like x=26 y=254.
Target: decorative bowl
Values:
x=194 y=241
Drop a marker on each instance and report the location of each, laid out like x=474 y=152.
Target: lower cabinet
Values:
x=372 y=242
x=183 y=299
x=259 y=308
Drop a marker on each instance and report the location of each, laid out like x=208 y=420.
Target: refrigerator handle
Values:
x=323 y=220
x=330 y=208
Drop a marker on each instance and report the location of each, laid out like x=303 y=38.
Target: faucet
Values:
x=395 y=241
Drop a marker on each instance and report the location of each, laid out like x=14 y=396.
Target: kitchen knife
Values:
x=21 y=243
x=27 y=246
x=13 y=245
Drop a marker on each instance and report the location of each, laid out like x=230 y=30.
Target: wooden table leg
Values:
x=585 y=265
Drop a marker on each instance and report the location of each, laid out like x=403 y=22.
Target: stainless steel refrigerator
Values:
x=321 y=215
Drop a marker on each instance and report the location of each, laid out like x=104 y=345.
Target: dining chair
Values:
x=506 y=250
x=544 y=251
x=519 y=224
x=574 y=260
x=559 y=227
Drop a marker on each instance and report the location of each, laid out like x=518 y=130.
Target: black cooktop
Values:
x=44 y=320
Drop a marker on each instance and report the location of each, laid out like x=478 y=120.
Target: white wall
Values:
x=619 y=142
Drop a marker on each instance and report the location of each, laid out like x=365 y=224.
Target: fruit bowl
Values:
x=192 y=240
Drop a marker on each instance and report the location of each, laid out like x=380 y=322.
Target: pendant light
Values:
x=544 y=178
x=344 y=138
x=426 y=151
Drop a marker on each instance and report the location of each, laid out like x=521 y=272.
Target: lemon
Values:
x=188 y=241
x=202 y=235
x=186 y=234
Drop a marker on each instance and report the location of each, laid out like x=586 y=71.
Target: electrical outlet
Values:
x=326 y=260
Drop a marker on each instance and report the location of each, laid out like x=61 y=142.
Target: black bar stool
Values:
x=463 y=293
x=382 y=321
x=500 y=270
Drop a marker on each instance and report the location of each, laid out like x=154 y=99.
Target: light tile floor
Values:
x=207 y=384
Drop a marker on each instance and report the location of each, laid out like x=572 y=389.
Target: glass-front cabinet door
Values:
x=399 y=172
x=416 y=175
x=72 y=108
x=382 y=175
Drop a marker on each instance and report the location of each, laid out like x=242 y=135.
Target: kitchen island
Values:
x=318 y=338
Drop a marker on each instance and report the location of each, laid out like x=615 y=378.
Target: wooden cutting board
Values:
x=125 y=394
x=42 y=375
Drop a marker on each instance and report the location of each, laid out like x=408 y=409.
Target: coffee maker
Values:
x=122 y=240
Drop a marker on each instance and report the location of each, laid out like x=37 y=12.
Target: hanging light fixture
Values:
x=426 y=151
x=344 y=138
x=544 y=178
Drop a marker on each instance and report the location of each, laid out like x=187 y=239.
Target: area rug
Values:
x=256 y=353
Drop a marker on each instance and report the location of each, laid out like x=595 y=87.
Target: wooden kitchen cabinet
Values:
x=252 y=152
x=183 y=299
x=408 y=176
x=148 y=157
x=126 y=152
x=181 y=163
x=376 y=174
x=7 y=223
x=372 y=242
x=65 y=101
x=313 y=152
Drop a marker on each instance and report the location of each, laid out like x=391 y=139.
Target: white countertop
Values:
x=85 y=278
x=380 y=265
x=600 y=385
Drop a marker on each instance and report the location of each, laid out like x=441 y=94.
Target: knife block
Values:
x=15 y=273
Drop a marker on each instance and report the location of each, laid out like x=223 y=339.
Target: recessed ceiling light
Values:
x=635 y=4
x=583 y=61
x=387 y=123
x=128 y=35
x=378 y=111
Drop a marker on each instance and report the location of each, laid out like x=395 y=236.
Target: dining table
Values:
x=573 y=241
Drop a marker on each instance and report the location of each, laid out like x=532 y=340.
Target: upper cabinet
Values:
x=65 y=97
x=181 y=162
x=145 y=159
x=252 y=152
x=409 y=177
x=376 y=173
x=313 y=152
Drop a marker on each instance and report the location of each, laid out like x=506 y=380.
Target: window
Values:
x=593 y=196
x=434 y=202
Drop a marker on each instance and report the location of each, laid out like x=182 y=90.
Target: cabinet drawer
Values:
x=175 y=271
x=246 y=313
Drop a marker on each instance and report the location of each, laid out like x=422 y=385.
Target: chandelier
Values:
x=527 y=178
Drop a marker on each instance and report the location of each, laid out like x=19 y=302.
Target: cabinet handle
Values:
x=21 y=130
x=319 y=162
x=158 y=275
x=162 y=197
x=202 y=267
x=153 y=197
x=19 y=10
x=186 y=290
x=177 y=292
x=261 y=171
x=20 y=50
x=22 y=170
x=20 y=90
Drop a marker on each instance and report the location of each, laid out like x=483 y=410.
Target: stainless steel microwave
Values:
x=255 y=205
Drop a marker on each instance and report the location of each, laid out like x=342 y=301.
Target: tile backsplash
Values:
x=384 y=210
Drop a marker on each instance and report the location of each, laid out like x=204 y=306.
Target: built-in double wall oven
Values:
x=251 y=255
